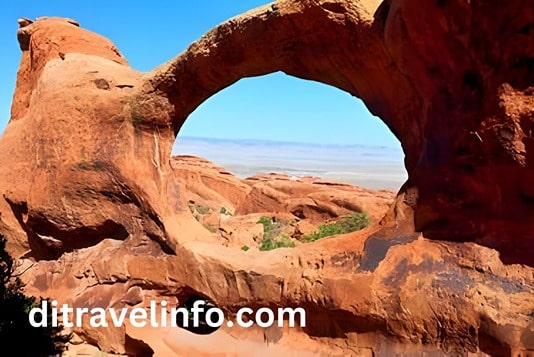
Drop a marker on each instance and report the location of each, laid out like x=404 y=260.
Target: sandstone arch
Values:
x=443 y=108
x=89 y=140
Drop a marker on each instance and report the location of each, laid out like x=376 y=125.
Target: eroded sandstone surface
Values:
x=95 y=210
x=230 y=207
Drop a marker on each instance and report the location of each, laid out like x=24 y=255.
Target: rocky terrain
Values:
x=98 y=214
x=231 y=207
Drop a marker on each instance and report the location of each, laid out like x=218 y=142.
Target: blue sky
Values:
x=148 y=33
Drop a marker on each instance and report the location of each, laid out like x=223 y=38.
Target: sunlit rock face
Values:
x=89 y=191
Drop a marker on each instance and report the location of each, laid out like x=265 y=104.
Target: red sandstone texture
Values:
x=231 y=207
x=99 y=215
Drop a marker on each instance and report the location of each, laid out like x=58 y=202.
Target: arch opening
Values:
x=288 y=151
x=307 y=113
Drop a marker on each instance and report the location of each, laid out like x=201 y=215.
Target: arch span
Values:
x=461 y=111
x=443 y=107
x=286 y=36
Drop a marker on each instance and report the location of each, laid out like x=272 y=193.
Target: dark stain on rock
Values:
x=101 y=83
x=510 y=286
x=41 y=282
x=403 y=269
x=376 y=247
x=399 y=274
x=453 y=281
x=348 y=260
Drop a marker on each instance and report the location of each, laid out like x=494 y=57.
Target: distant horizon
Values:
x=285 y=142
x=375 y=167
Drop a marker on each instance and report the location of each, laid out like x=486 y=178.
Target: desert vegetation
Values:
x=354 y=222
x=273 y=236
x=199 y=211
x=14 y=323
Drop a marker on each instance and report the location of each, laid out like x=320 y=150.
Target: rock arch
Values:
x=464 y=124
x=89 y=140
x=430 y=85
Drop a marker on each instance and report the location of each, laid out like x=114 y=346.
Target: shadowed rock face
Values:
x=86 y=176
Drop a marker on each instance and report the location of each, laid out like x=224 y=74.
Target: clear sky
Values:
x=148 y=33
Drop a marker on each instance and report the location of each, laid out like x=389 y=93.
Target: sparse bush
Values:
x=200 y=209
x=354 y=222
x=198 y=212
x=224 y=210
x=210 y=227
x=267 y=223
x=282 y=241
x=14 y=322
x=245 y=248
x=272 y=234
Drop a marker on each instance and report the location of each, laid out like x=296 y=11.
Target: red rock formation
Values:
x=311 y=198
x=231 y=207
x=89 y=190
x=454 y=90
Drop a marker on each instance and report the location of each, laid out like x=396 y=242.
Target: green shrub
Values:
x=226 y=211
x=272 y=234
x=282 y=241
x=201 y=209
x=245 y=248
x=267 y=223
x=210 y=228
x=14 y=322
x=354 y=222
